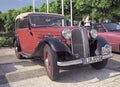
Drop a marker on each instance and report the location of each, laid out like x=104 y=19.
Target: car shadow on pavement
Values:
x=87 y=73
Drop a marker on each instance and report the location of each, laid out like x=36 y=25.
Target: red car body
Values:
x=47 y=36
x=39 y=34
x=111 y=32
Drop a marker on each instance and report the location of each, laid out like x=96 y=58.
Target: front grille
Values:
x=79 y=41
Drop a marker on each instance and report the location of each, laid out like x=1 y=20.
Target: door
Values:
x=25 y=36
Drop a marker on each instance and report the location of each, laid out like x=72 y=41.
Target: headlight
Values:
x=106 y=49
x=94 y=33
x=66 y=33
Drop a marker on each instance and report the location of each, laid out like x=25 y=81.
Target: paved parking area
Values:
x=31 y=73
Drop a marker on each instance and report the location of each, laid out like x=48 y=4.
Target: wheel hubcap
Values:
x=16 y=48
x=47 y=62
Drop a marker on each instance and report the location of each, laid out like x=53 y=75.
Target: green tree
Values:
x=9 y=17
x=1 y=22
x=9 y=23
x=99 y=9
x=43 y=8
x=27 y=9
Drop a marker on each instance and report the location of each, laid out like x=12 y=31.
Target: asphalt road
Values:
x=31 y=73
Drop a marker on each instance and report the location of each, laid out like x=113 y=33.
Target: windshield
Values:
x=47 y=20
x=112 y=26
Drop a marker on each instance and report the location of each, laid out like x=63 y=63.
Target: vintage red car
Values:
x=47 y=36
x=111 y=32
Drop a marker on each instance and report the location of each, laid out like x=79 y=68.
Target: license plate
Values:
x=92 y=59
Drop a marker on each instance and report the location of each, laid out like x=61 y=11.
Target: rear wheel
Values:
x=17 y=50
x=100 y=65
x=50 y=60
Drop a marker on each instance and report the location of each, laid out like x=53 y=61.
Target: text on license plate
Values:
x=92 y=60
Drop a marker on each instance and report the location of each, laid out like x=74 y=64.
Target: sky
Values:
x=5 y=5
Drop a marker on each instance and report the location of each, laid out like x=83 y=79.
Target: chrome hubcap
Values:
x=16 y=48
x=46 y=62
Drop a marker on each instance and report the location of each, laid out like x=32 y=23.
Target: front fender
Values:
x=54 y=43
x=101 y=42
x=97 y=44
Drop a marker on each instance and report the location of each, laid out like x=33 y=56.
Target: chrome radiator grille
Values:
x=79 y=41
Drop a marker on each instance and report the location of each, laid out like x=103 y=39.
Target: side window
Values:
x=100 y=28
x=21 y=23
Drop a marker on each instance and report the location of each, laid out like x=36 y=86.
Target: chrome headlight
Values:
x=94 y=33
x=106 y=49
x=66 y=33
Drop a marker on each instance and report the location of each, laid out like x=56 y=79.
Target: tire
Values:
x=50 y=60
x=100 y=65
x=17 y=50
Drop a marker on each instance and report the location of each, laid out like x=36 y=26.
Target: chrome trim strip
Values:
x=80 y=61
x=83 y=42
x=71 y=43
x=107 y=56
x=84 y=45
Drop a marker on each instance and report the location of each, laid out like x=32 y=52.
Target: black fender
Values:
x=97 y=43
x=101 y=42
x=55 y=44
x=16 y=38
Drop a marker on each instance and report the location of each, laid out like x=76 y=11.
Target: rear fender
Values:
x=16 y=38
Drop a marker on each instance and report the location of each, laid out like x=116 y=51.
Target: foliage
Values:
x=98 y=10
x=1 y=22
x=105 y=9
x=6 y=41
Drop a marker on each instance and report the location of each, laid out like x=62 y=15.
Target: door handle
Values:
x=31 y=33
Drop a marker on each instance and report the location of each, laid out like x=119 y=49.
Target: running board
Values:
x=25 y=55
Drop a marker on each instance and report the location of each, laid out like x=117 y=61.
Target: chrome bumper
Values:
x=80 y=61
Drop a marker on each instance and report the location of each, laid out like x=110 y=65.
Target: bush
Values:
x=6 y=41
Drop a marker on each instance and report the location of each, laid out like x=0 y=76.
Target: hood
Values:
x=49 y=30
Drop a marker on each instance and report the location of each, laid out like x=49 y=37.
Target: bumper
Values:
x=84 y=60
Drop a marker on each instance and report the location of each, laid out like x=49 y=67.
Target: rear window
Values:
x=20 y=24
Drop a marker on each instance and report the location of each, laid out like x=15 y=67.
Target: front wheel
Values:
x=100 y=65
x=50 y=60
